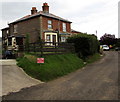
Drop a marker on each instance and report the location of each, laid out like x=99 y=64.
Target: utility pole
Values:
x=96 y=32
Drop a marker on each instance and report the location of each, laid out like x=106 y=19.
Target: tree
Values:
x=108 y=39
x=118 y=43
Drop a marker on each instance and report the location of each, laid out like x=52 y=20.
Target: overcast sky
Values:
x=85 y=15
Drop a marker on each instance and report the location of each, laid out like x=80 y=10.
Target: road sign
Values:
x=40 y=60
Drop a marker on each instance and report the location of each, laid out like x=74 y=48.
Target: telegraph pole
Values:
x=96 y=32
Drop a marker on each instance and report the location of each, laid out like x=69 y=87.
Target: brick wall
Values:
x=11 y=29
x=31 y=27
x=56 y=24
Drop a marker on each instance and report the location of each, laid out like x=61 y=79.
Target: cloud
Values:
x=105 y=20
x=86 y=15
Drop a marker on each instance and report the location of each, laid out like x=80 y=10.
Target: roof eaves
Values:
x=25 y=18
x=5 y=28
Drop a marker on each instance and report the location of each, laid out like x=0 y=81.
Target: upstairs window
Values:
x=49 y=24
x=15 y=28
x=64 y=27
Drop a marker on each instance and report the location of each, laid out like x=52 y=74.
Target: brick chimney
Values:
x=45 y=8
x=34 y=10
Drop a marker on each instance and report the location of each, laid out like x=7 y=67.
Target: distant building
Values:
x=39 y=25
x=74 y=32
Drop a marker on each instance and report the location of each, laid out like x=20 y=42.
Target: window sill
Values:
x=50 y=29
x=15 y=32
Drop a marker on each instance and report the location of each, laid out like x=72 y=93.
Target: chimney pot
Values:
x=45 y=4
x=45 y=8
x=34 y=10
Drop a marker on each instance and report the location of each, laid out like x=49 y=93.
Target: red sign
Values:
x=40 y=60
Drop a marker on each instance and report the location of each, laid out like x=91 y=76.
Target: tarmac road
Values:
x=97 y=81
x=13 y=77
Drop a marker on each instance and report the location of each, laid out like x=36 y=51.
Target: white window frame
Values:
x=15 y=28
x=51 y=37
x=49 y=24
x=64 y=27
x=48 y=39
x=7 y=31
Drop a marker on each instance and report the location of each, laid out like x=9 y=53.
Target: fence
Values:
x=48 y=48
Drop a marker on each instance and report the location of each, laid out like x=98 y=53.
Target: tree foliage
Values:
x=118 y=43
x=108 y=39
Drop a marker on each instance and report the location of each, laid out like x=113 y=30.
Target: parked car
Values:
x=105 y=47
x=8 y=55
x=117 y=49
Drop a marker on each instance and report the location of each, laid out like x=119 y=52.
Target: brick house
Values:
x=39 y=25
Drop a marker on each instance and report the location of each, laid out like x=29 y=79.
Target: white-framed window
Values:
x=15 y=28
x=48 y=38
x=49 y=24
x=7 y=31
x=64 y=27
x=63 y=39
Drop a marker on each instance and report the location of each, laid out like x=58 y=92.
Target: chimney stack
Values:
x=34 y=10
x=45 y=8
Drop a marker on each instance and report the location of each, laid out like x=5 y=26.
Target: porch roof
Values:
x=18 y=36
x=64 y=33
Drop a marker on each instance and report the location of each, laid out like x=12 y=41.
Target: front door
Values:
x=54 y=39
x=19 y=42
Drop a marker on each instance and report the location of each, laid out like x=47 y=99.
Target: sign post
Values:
x=40 y=60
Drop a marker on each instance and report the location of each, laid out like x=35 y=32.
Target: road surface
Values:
x=14 y=78
x=97 y=81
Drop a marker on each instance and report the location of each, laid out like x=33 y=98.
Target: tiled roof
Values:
x=75 y=31
x=41 y=13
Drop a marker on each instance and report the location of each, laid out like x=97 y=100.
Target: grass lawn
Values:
x=54 y=66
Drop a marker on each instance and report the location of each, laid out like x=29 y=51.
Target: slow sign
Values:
x=40 y=60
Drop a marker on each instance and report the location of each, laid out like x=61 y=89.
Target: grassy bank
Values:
x=54 y=66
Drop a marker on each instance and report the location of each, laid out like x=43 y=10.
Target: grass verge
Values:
x=93 y=58
x=54 y=66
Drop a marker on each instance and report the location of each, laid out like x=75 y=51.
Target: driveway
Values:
x=14 y=78
x=97 y=81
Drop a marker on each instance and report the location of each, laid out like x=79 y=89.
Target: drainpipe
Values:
x=58 y=30
x=41 y=29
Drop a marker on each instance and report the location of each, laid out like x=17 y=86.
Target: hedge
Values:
x=85 y=45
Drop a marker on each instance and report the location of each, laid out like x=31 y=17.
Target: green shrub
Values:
x=85 y=45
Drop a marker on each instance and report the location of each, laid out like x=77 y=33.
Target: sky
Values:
x=85 y=15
